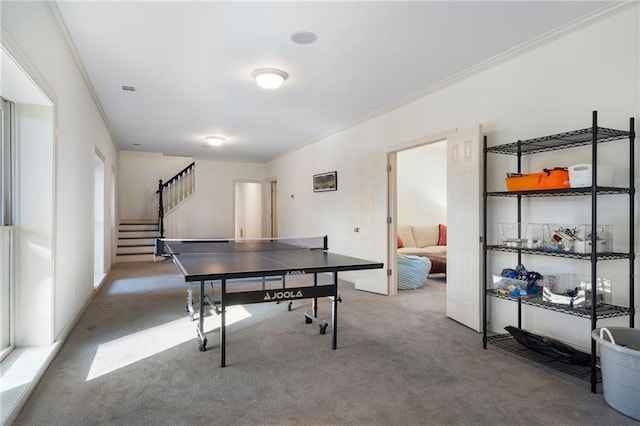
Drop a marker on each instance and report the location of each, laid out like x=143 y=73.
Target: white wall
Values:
x=209 y=213
x=543 y=90
x=422 y=185
x=31 y=34
x=138 y=182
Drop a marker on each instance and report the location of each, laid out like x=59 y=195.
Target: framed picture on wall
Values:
x=325 y=182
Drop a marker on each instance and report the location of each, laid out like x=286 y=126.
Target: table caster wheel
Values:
x=323 y=329
x=289 y=307
x=203 y=346
x=307 y=320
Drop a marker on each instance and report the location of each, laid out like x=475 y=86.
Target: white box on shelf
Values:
x=580 y=175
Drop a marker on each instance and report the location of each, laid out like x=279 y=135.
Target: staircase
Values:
x=136 y=241
x=137 y=238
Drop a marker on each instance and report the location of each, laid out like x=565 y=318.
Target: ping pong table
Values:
x=236 y=262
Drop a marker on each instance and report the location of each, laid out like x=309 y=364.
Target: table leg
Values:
x=334 y=312
x=203 y=338
x=314 y=301
x=190 y=300
x=313 y=316
x=223 y=328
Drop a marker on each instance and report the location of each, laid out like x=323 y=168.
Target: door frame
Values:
x=392 y=201
x=273 y=208
x=235 y=201
x=393 y=196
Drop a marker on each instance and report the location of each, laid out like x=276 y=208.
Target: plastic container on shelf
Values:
x=532 y=237
x=515 y=288
x=560 y=237
x=603 y=240
x=620 y=364
x=510 y=235
x=557 y=178
x=574 y=290
x=525 y=182
x=580 y=175
x=577 y=238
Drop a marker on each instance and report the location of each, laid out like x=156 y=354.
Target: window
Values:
x=6 y=222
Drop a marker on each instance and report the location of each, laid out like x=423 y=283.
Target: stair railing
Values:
x=174 y=191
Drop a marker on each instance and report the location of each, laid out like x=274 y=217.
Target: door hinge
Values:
x=388 y=168
x=388 y=272
x=389 y=220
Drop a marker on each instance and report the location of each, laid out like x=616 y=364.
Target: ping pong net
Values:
x=169 y=246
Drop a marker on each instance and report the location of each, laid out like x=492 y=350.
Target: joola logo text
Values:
x=279 y=295
x=300 y=272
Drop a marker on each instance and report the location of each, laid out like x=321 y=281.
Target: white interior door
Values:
x=372 y=221
x=464 y=216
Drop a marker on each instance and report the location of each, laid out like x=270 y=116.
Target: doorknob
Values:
x=356 y=229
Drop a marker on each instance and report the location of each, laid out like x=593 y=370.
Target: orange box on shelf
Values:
x=557 y=178
x=526 y=182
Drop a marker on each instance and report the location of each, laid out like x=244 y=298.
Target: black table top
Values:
x=198 y=261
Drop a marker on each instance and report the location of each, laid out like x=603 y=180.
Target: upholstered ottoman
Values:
x=438 y=263
x=412 y=271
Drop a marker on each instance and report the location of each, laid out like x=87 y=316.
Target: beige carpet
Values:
x=133 y=359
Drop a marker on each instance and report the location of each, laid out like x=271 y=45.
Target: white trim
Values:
x=16 y=55
x=392 y=196
x=14 y=52
x=8 y=258
x=85 y=77
x=413 y=143
x=505 y=56
x=21 y=371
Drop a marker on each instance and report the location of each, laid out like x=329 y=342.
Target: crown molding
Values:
x=521 y=49
x=85 y=76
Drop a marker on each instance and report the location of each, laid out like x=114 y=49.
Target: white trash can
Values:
x=620 y=365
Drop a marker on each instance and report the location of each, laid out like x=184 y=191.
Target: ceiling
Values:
x=191 y=64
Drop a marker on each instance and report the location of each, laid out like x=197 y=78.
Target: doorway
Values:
x=421 y=196
x=273 y=206
x=248 y=210
x=463 y=220
x=99 y=216
x=421 y=199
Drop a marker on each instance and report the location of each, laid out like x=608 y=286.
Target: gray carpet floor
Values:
x=133 y=359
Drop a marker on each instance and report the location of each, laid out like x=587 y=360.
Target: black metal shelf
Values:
x=603 y=310
x=508 y=343
x=556 y=253
x=560 y=141
x=564 y=192
x=591 y=137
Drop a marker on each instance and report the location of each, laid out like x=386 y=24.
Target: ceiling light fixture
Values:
x=215 y=140
x=269 y=78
